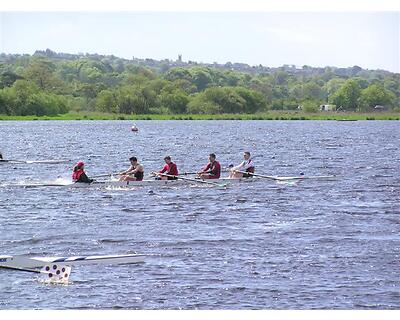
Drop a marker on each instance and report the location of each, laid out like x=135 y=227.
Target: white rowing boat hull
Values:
x=133 y=184
x=122 y=184
x=168 y=182
x=197 y=182
x=221 y=181
x=35 y=263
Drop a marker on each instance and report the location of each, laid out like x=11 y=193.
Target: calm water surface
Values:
x=258 y=245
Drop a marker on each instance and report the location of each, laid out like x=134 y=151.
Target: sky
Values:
x=370 y=40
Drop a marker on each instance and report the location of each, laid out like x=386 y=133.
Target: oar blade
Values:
x=56 y=273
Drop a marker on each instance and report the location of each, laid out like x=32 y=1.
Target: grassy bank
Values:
x=272 y=115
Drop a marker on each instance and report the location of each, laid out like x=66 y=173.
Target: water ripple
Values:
x=262 y=245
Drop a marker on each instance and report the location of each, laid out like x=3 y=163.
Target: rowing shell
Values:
x=170 y=183
x=111 y=183
x=58 y=269
x=129 y=184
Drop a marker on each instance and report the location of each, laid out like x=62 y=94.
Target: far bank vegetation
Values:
x=48 y=84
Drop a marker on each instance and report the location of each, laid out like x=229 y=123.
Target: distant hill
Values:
x=235 y=66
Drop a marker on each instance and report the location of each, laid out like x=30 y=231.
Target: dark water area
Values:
x=313 y=244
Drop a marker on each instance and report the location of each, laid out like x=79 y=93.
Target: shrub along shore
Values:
x=48 y=85
x=272 y=115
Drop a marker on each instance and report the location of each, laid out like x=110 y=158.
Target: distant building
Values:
x=327 y=107
x=179 y=57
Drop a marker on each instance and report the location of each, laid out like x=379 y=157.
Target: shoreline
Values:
x=272 y=115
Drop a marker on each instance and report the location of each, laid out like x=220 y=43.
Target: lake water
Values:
x=258 y=245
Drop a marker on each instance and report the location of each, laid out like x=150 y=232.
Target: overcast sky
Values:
x=342 y=39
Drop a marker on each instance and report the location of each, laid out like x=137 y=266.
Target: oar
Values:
x=34 y=161
x=11 y=160
x=222 y=185
x=46 y=161
x=301 y=177
x=186 y=173
x=106 y=175
x=259 y=175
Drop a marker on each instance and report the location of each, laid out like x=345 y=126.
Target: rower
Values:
x=1 y=156
x=170 y=168
x=247 y=165
x=134 y=173
x=212 y=170
x=79 y=174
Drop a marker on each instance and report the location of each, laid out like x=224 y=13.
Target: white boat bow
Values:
x=58 y=269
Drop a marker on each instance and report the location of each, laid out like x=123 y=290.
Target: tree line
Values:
x=47 y=84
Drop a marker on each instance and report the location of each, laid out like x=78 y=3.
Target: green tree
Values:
x=41 y=72
x=7 y=78
x=201 y=77
x=254 y=101
x=23 y=89
x=310 y=106
x=136 y=100
x=25 y=98
x=347 y=96
x=178 y=73
x=333 y=85
x=89 y=91
x=176 y=101
x=231 y=78
x=7 y=101
x=184 y=85
x=226 y=97
x=106 y=101
x=312 y=91
x=375 y=95
x=199 y=105
x=227 y=100
x=281 y=78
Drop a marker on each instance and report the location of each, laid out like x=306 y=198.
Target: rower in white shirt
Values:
x=246 y=166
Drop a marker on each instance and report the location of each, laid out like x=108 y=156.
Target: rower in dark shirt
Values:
x=212 y=170
x=134 y=173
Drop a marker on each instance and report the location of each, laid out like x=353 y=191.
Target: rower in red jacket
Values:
x=79 y=174
x=212 y=170
x=170 y=168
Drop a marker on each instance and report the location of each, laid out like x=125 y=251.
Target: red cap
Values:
x=80 y=164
